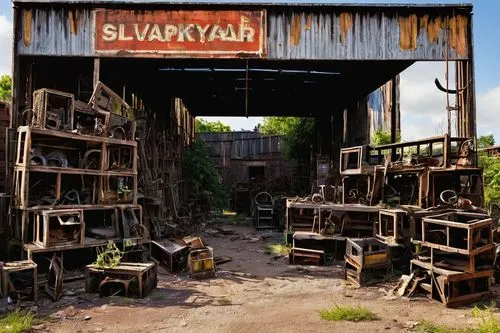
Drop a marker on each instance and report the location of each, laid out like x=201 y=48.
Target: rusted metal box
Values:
x=59 y=227
x=172 y=256
x=459 y=232
x=126 y=279
x=52 y=109
x=201 y=263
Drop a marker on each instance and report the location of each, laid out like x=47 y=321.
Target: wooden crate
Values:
x=367 y=253
x=8 y=271
x=302 y=256
x=460 y=232
x=52 y=109
x=58 y=227
x=393 y=225
x=454 y=288
x=363 y=276
x=134 y=279
x=481 y=261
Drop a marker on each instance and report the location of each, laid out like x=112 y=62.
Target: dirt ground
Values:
x=255 y=292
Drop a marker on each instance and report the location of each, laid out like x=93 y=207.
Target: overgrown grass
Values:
x=278 y=249
x=347 y=313
x=16 y=322
x=486 y=323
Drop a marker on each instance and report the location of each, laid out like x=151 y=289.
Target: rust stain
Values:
x=423 y=21
x=457 y=26
x=73 y=21
x=308 y=22
x=408 y=32
x=27 y=27
x=345 y=26
x=434 y=28
x=295 y=30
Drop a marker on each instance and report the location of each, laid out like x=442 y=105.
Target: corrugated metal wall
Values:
x=350 y=33
x=55 y=31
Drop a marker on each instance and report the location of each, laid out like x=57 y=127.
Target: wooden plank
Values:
x=81 y=137
x=75 y=171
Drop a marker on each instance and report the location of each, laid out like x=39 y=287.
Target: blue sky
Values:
x=422 y=106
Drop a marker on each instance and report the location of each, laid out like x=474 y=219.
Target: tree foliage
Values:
x=486 y=141
x=380 y=137
x=202 y=125
x=279 y=125
x=5 y=88
x=491 y=169
x=203 y=175
x=297 y=132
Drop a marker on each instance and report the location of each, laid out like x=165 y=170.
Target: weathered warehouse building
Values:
x=177 y=60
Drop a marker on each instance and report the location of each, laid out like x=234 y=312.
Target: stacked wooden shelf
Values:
x=75 y=174
x=459 y=256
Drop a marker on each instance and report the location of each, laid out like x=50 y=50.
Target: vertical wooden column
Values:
x=97 y=71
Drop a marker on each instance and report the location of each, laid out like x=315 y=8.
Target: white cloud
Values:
x=5 y=45
x=488 y=113
x=423 y=106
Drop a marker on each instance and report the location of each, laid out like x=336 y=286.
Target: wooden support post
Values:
x=97 y=71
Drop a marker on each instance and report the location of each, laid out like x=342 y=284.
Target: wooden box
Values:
x=353 y=161
x=471 y=264
x=393 y=225
x=105 y=99
x=460 y=232
x=367 y=253
x=127 y=279
x=53 y=110
x=9 y=283
x=302 y=256
x=59 y=227
x=453 y=288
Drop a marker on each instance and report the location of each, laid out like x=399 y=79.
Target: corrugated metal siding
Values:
x=344 y=33
x=357 y=36
x=59 y=32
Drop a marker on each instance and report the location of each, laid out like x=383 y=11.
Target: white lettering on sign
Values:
x=191 y=32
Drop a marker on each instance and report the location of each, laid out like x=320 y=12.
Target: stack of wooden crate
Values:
x=75 y=174
x=456 y=257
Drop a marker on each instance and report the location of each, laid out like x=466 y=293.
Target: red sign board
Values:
x=164 y=33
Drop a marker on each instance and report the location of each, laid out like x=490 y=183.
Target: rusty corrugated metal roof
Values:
x=266 y=3
x=300 y=33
